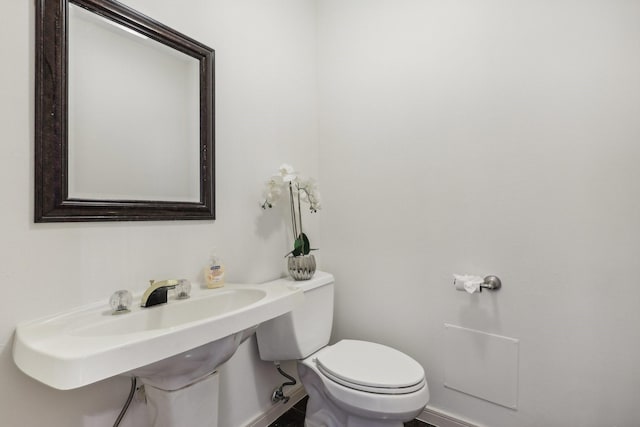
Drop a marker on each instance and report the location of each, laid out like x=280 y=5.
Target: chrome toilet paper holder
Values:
x=492 y=283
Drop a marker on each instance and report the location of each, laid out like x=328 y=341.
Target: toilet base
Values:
x=311 y=421
x=324 y=411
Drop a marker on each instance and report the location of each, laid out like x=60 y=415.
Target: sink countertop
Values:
x=62 y=352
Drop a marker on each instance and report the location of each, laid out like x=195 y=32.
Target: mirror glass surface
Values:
x=133 y=121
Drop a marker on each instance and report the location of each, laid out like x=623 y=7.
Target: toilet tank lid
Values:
x=320 y=278
x=370 y=364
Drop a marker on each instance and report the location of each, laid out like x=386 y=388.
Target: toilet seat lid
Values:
x=371 y=367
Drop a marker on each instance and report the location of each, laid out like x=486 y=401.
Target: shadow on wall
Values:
x=473 y=313
x=268 y=222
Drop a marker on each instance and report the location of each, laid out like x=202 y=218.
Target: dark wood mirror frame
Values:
x=52 y=203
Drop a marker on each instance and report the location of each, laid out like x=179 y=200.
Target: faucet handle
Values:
x=120 y=301
x=183 y=289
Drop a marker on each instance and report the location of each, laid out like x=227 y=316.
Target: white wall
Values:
x=482 y=137
x=265 y=104
x=494 y=137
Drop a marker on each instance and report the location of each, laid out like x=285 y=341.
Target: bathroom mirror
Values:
x=124 y=116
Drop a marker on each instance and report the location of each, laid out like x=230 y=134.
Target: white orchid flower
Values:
x=287 y=172
x=309 y=193
x=300 y=190
x=314 y=202
x=272 y=191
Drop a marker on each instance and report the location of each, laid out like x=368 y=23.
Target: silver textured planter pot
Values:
x=301 y=267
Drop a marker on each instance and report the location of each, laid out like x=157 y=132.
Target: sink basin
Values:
x=169 y=315
x=88 y=344
x=179 y=371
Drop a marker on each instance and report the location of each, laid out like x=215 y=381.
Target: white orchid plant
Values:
x=300 y=190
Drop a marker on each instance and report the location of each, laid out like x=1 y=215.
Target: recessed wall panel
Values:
x=481 y=364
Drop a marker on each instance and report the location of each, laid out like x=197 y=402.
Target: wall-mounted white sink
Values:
x=88 y=344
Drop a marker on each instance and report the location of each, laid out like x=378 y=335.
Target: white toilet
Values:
x=351 y=383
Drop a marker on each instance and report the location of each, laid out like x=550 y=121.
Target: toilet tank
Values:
x=306 y=329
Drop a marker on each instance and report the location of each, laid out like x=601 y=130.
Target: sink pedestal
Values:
x=195 y=405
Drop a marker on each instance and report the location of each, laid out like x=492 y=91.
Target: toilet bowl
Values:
x=359 y=383
x=350 y=383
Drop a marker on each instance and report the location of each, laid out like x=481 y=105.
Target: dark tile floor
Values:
x=294 y=417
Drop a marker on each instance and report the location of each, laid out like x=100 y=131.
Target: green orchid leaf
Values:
x=306 y=246
x=297 y=247
x=301 y=246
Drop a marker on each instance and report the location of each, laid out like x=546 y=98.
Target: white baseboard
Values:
x=278 y=409
x=442 y=419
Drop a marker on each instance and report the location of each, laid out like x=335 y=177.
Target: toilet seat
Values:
x=370 y=367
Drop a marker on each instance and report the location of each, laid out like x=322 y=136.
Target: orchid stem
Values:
x=299 y=211
x=293 y=212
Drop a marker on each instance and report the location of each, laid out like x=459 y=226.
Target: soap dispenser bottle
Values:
x=214 y=272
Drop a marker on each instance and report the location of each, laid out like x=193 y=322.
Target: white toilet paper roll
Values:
x=468 y=283
x=458 y=282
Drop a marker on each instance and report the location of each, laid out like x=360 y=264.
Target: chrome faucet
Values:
x=156 y=293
